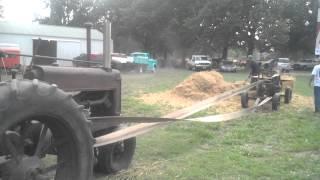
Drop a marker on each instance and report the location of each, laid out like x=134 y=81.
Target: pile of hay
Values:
x=197 y=87
x=203 y=85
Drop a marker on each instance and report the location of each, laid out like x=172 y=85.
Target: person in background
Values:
x=315 y=78
x=254 y=69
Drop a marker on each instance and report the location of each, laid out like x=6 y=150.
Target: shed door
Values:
x=44 y=48
x=68 y=50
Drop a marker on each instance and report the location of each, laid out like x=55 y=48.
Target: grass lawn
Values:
x=281 y=145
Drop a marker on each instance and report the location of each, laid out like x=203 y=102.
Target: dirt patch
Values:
x=299 y=102
x=197 y=87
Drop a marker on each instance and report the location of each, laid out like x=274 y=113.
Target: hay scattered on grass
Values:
x=299 y=102
x=203 y=85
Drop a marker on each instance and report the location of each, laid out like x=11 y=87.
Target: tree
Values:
x=218 y=21
x=263 y=26
x=302 y=18
x=183 y=26
x=68 y=12
x=203 y=26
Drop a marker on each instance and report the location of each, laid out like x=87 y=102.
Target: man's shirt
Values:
x=316 y=74
x=255 y=68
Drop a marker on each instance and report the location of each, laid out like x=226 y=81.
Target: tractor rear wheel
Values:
x=115 y=157
x=287 y=95
x=38 y=120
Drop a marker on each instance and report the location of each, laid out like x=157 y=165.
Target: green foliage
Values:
x=204 y=26
x=302 y=17
x=1 y=9
x=302 y=85
x=70 y=12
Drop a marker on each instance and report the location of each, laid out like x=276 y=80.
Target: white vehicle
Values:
x=121 y=58
x=284 y=65
x=199 y=62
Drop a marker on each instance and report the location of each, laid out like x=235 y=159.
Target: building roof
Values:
x=47 y=30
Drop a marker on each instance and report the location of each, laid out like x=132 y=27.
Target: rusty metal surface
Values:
x=77 y=79
x=81 y=79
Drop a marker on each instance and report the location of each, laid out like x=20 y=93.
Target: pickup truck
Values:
x=144 y=60
x=284 y=64
x=305 y=64
x=199 y=62
x=135 y=62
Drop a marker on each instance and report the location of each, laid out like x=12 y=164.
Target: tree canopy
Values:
x=164 y=27
x=1 y=9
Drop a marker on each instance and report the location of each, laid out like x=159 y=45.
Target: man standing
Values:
x=254 y=69
x=315 y=78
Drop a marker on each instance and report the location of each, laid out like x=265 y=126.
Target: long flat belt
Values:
x=148 y=123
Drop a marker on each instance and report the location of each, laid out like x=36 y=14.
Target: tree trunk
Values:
x=225 y=52
x=251 y=45
x=165 y=58
x=184 y=55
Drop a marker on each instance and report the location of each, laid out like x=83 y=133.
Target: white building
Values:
x=47 y=40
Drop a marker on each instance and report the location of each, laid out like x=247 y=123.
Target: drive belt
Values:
x=148 y=123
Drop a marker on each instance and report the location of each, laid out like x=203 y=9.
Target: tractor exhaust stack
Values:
x=107 y=41
x=88 y=26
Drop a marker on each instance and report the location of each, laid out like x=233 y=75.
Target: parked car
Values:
x=305 y=64
x=199 y=62
x=216 y=62
x=98 y=58
x=228 y=66
x=284 y=64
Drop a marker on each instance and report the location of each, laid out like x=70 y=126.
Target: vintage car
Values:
x=228 y=66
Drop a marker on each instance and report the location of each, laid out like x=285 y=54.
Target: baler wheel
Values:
x=245 y=100
x=64 y=130
x=287 y=95
x=276 y=102
x=260 y=89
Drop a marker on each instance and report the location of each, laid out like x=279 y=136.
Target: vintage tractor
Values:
x=45 y=127
x=270 y=84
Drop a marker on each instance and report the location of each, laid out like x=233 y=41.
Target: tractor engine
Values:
x=97 y=89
